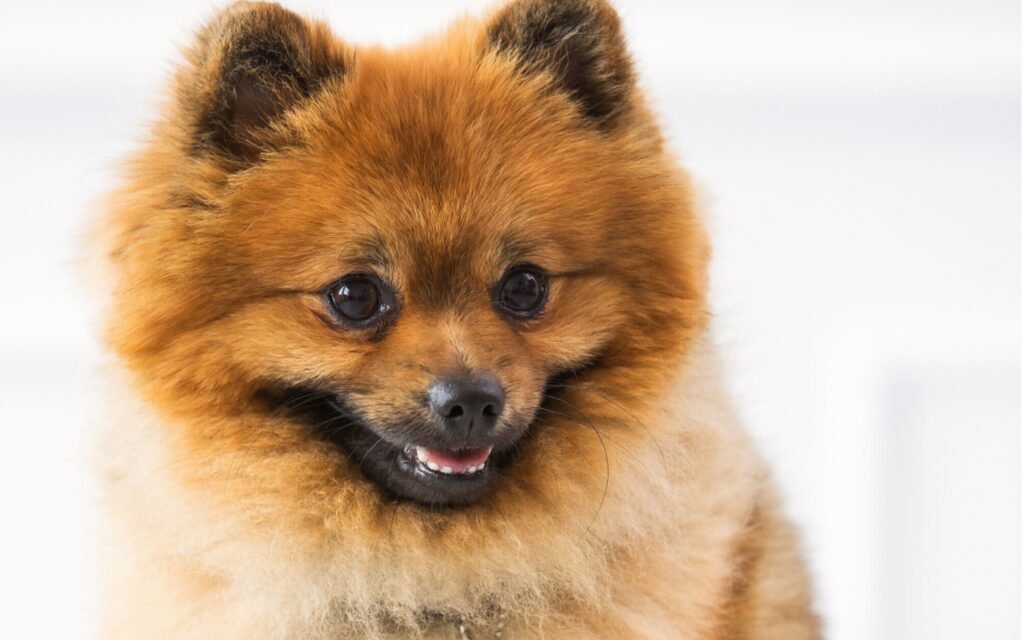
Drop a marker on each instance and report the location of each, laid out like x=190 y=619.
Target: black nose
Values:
x=467 y=404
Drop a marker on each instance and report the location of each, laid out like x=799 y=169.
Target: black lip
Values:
x=388 y=463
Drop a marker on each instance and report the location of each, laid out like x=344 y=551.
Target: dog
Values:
x=416 y=343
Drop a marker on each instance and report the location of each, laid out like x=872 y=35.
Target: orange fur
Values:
x=635 y=508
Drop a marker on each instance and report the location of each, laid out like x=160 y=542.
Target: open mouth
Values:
x=433 y=475
x=447 y=462
x=415 y=462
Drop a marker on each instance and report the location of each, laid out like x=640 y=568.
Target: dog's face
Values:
x=416 y=308
x=416 y=265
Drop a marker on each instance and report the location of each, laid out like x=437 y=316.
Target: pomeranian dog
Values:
x=415 y=343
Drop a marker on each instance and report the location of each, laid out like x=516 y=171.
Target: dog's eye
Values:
x=357 y=299
x=522 y=292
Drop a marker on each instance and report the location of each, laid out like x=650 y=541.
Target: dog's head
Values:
x=420 y=274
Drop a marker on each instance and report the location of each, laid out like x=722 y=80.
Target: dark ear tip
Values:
x=580 y=42
x=240 y=17
x=245 y=9
x=547 y=14
x=250 y=64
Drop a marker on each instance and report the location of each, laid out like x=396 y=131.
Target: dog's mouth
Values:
x=408 y=462
x=434 y=473
x=435 y=476
x=447 y=462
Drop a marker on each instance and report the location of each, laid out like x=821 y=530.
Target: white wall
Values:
x=862 y=160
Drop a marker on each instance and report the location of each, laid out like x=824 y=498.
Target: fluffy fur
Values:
x=635 y=507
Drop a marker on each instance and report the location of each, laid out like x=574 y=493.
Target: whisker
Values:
x=370 y=450
x=394 y=513
x=297 y=402
x=604 y=448
x=235 y=470
x=330 y=422
x=583 y=386
x=505 y=519
x=287 y=406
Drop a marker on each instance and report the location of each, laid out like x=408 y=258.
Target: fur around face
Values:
x=634 y=507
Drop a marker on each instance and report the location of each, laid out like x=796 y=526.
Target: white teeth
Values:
x=423 y=457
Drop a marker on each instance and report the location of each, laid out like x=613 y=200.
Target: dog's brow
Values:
x=514 y=251
x=372 y=251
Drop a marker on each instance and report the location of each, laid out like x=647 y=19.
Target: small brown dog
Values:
x=414 y=343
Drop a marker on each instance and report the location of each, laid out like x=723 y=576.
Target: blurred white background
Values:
x=862 y=165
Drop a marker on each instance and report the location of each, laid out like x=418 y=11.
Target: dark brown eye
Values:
x=522 y=292
x=358 y=299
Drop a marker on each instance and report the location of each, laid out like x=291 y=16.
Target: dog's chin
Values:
x=426 y=469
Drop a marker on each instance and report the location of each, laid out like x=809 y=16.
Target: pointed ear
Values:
x=250 y=65
x=579 y=43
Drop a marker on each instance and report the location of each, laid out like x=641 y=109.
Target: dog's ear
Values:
x=250 y=65
x=579 y=43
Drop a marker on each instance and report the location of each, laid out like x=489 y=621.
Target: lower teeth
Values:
x=423 y=460
x=448 y=471
x=433 y=466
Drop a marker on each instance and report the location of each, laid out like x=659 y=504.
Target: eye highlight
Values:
x=522 y=292
x=359 y=300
